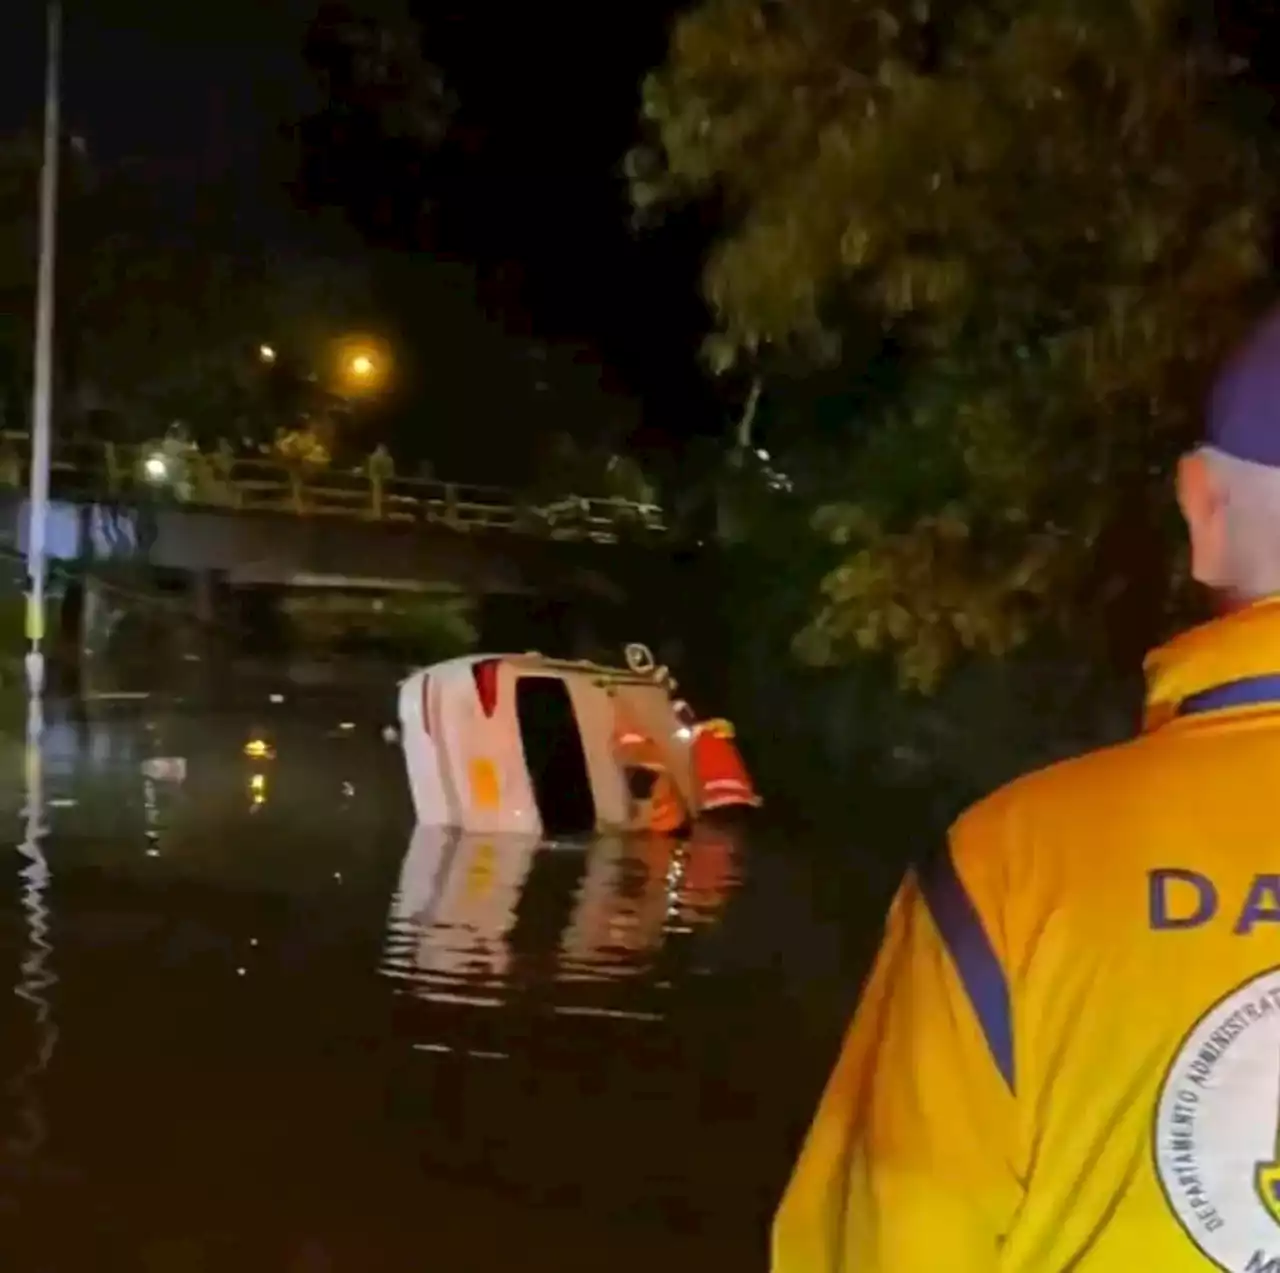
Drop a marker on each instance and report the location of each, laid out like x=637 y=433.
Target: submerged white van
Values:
x=527 y=745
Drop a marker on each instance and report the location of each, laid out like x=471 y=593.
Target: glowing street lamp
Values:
x=361 y=365
x=267 y=353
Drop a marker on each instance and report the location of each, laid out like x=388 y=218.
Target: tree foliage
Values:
x=384 y=111
x=162 y=333
x=20 y=159
x=1049 y=213
x=162 y=317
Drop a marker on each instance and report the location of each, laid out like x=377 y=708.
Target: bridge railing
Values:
x=88 y=468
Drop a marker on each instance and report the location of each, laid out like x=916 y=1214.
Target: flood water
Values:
x=260 y=1021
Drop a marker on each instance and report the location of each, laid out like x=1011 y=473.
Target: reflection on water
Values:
x=285 y=1020
x=35 y=974
x=451 y=913
x=456 y=930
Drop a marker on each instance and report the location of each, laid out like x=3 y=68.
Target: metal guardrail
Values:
x=88 y=468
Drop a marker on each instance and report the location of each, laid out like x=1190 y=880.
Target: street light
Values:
x=156 y=467
x=361 y=365
x=42 y=377
x=266 y=353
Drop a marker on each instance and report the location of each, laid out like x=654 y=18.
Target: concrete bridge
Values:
x=214 y=529
x=246 y=548
x=261 y=521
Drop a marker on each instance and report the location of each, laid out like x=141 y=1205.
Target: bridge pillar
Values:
x=95 y=620
x=204 y=585
x=88 y=616
x=209 y=640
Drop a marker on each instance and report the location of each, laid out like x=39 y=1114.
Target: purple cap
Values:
x=1244 y=409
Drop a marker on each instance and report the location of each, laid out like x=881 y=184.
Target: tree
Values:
x=1050 y=217
x=383 y=113
x=163 y=311
x=165 y=321
x=20 y=163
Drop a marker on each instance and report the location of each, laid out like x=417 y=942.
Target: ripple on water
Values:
x=586 y=929
x=265 y=977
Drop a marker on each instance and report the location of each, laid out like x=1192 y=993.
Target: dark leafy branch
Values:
x=1051 y=212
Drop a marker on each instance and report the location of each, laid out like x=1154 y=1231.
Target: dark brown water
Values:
x=258 y=1021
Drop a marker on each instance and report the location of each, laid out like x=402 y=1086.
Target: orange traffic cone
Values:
x=718 y=770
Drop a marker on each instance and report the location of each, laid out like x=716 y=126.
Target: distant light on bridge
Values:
x=267 y=353
x=156 y=467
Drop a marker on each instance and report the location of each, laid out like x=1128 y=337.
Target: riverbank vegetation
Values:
x=979 y=262
x=1022 y=235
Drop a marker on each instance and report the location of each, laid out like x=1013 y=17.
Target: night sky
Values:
x=527 y=296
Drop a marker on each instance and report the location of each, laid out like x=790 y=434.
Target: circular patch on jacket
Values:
x=1217 y=1130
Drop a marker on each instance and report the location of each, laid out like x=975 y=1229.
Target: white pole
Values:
x=42 y=391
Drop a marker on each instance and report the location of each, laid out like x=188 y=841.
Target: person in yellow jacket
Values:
x=1067 y=1056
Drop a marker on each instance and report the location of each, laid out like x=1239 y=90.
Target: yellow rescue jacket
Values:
x=1067 y=1056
